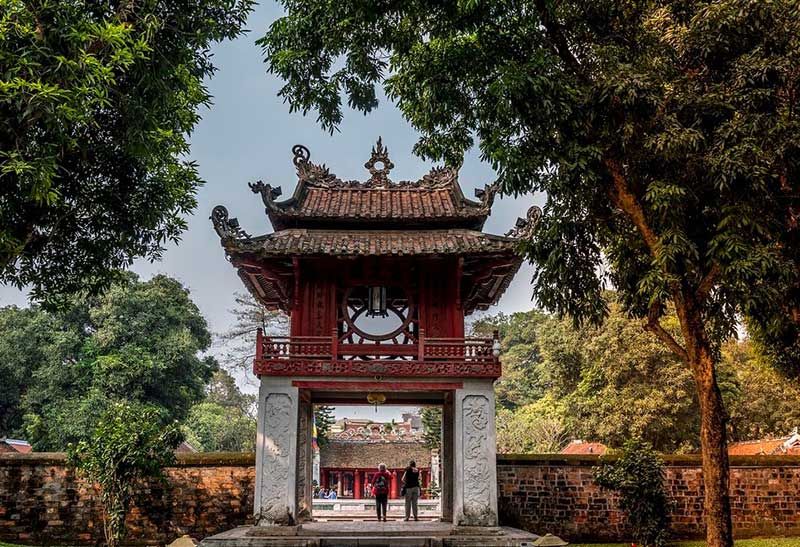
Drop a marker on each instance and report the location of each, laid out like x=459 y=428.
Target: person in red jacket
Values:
x=380 y=489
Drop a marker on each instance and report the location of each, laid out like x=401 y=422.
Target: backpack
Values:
x=380 y=485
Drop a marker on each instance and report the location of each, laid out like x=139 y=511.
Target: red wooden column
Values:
x=393 y=486
x=399 y=483
x=357 y=488
x=423 y=473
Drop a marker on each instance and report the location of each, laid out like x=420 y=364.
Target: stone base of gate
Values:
x=372 y=534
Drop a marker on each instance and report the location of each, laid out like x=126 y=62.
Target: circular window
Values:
x=377 y=314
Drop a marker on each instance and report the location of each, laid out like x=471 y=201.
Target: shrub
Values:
x=638 y=477
x=130 y=443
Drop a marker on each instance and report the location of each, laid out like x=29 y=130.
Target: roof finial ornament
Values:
x=301 y=155
x=226 y=227
x=380 y=154
x=525 y=227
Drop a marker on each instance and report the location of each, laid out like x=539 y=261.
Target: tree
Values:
x=128 y=444
x=138 y=342
x=664 y=135
x=761 y=402
x=534 y=428
x=239 y=342
x=638 y=477
x=225 y=420
x=96 y=101
x=212 y=427
x=323 y=419
x=432 y=426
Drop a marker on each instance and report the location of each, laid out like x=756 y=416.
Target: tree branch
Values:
x=653 y=325
x=623 y=198
x=557 y=38
x=707 y=283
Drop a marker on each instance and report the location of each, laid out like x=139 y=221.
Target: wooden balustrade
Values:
x=329 y=348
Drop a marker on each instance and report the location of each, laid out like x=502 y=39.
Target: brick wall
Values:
x=42 y=501
x=557 y=494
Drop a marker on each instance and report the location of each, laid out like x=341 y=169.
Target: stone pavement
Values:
x=371 y=534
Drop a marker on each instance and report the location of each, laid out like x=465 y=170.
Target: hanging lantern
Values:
x=376 y=399
x=376 y=297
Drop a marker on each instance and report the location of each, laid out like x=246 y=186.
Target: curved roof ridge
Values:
x=320 y=196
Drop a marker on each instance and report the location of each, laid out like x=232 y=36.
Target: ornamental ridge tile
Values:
x=321 y=198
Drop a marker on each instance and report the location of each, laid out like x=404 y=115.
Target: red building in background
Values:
x=350 y=459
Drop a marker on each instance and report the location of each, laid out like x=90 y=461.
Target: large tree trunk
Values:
x=716 y=474
x=713 y=441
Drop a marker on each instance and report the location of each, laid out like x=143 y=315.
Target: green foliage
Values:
x=97 y=99
x=324 y=419
x=638 y=477
x=225 y=420
x=761 y=401
x=128 y=444
x=432 y=426
x=138 y=342
x=211 y=427
x=614 y=382
x=538 y=427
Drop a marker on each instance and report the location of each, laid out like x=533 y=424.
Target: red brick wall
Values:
x=42 y=501
x=557 y=494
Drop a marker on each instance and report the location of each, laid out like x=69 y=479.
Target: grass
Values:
x=763 y=542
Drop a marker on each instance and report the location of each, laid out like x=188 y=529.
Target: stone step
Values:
x=333 y=534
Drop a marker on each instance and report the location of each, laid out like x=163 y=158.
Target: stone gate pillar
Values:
x=275 y=501
x=475 y=469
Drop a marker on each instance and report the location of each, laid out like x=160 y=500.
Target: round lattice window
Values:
x=396 y=325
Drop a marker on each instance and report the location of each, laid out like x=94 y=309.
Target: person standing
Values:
x=412 y=489
x=380 y=489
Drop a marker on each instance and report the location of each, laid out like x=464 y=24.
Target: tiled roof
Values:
x=366 y=455
x=766 y=447
x=15 y=445
x=302 y=242
x=321 y=198
x=408 y=204
x=581 y=447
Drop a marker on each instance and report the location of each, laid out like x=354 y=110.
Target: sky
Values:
x=247 y=135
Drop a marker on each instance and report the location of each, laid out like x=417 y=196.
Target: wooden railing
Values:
x=329 y=348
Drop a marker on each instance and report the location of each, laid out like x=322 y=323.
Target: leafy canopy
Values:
x=139 y=342
x=663 y=133
x=96 y=101
x=614 y=382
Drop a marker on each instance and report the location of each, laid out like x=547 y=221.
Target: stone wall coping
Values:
x=670 y=460
x=245 y=459
x=199 y=459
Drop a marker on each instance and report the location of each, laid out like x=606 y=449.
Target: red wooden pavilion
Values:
x=377 y=277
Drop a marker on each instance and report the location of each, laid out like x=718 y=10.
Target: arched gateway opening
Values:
x=377 y=277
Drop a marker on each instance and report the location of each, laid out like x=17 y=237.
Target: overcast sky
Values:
x=247 y=135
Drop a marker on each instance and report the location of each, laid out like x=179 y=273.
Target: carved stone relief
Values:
x=275 y=460
x=477 y=473
x=302 y=485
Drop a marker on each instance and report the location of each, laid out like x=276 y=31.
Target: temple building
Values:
x=349 y=459
x=377 y=277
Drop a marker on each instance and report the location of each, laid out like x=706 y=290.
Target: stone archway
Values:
x=284 y=455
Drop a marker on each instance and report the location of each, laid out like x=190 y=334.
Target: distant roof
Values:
x=322 y=199
x=17 y=445
x=582 y=447
x=766 y=447
x=366 y=455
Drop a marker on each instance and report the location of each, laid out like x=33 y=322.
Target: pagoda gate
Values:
x=376 y=277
